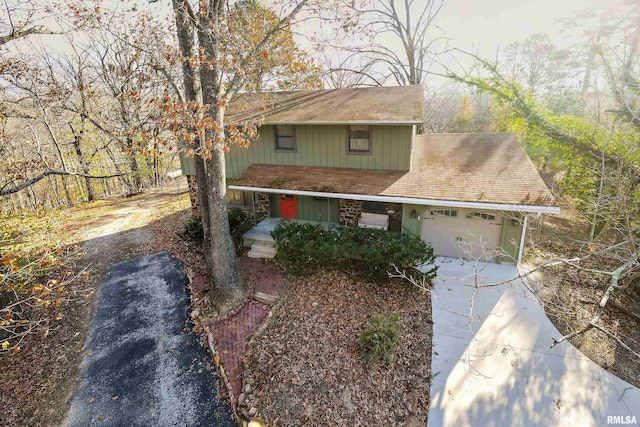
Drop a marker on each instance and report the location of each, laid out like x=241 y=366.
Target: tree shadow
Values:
x=493 y=364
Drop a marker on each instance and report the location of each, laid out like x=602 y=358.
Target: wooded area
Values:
x=96 y=102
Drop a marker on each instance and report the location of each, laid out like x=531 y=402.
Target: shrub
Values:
x=304 y=247
x=193 y=230
x=239 y=223
x=378 y=340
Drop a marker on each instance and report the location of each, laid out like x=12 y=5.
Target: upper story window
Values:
x=285 y=138
x=359 y=140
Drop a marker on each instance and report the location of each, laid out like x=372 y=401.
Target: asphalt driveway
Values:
x=493 y=365
x=143 y=366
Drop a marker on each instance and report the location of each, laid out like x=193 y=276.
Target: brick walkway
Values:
x=232 y=335
x=262 y=275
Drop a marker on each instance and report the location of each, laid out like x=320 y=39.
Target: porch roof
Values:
x=368 y=182
x=411 y=187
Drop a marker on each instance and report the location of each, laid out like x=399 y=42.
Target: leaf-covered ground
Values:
x=304 y=367
x=571 y=296
x=38 y=380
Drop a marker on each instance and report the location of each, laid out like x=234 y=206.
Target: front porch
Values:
x=259 y=237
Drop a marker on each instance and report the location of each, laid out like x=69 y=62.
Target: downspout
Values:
x=328 y=212
x=522 y=238
x=253 y=208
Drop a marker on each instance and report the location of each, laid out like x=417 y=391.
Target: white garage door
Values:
x=461 y=233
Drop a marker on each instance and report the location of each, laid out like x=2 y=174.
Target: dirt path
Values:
x=39 y=380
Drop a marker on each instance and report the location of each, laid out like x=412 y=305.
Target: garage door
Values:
x=461 y=233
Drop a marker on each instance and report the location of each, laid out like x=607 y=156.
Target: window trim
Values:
x=360 y=152
x=295 y=140
x=244 y=200
x=449 y=213
x=382 y=205
x=479 y=215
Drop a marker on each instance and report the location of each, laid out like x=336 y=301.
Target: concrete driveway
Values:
x=493 y=365
x=143 y=366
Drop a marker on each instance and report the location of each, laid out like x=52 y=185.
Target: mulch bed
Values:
x=304 y=367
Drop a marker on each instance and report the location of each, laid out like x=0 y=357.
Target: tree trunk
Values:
x=84 y=164
x=224 y=262
x=133 y=164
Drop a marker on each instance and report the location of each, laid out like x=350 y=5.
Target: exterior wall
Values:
x=411 y=225
x=262 y=203
x=187 y=165
x=318 y=145
x=349 y=212
x=512 y=225
x=275 y=205
x=510 y=238
x=193 y=194
x=313 y=209
x=394 y=210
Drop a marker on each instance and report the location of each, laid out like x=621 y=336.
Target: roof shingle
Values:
x=482 y=168
x=391 y=104
x=486 y=168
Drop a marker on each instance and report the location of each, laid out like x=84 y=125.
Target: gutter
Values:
x=406 y=200
x=522 y=241
x=345 y=122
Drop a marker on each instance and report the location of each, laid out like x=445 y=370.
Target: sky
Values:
x=488 y=24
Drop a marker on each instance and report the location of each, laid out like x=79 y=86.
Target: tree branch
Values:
x=29 y=182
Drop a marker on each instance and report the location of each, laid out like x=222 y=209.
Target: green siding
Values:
x=313 y=209
x=318 y=145
x=187 y=165
x=411 y=225
x=511 y=237
x=275 y=205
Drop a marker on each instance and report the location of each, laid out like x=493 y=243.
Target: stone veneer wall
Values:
x=193 y=194
x=350 y=212
x=263 y=206
x=395 y=218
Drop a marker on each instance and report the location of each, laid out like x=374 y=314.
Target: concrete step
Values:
x=258 y=234
x=264 y=243
x=260 y=251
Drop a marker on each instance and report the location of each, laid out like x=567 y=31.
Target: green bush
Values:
x=239 y=223
x=193 y=230
x=378 y=340
x=302 y=248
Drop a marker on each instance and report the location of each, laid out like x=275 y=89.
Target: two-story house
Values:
x=353 y=157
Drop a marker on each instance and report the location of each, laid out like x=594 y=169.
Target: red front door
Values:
x=288 y=206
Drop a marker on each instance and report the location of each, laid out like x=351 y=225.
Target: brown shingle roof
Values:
x=319 y=179
x=391 y=104
x=487 y=168
x=484 y=168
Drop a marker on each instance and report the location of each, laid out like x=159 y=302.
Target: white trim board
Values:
x=406 y=200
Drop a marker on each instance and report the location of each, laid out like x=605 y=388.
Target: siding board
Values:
x=322 y=146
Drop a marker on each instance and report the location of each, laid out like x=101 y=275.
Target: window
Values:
x=285 y=138
x=480 y=215
x=374 y=207
x=235 y=198
x=444 y=212
x=359 y=140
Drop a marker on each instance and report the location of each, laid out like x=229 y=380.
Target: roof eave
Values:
x=344 y=122
x=408 y=200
